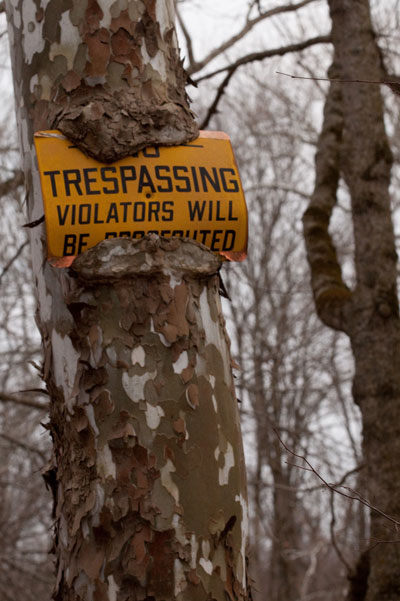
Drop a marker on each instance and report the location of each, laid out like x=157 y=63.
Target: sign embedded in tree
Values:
x=191 y=191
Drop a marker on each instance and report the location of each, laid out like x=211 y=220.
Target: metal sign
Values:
x=192 y=191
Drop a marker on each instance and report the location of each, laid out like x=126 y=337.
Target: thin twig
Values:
x=12 y=260
x=9 y=398
x=354 y=496
x=250 y=58
x=249 y=24
x=334 y=80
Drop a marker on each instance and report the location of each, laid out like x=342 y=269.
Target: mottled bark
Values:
x=147 y=470
x=107 y=73
x=148 y=457
x=354 y=145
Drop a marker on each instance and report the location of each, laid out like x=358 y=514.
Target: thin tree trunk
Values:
x=147 y=471
x=353 y=144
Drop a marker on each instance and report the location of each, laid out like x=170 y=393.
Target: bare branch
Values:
x=393 y=85
x=12 y=260
x=188 y=38
x=259 y=56
x=213 y=109
x=353 y=495
x=195 y=67
x=249 y=58
x=9 y=398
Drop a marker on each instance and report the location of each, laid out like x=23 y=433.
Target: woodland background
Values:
x=294 y=381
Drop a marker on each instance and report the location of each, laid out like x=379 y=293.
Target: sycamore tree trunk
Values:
x=353 y=145
x=147 y=470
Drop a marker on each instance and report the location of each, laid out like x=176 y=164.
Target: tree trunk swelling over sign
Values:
x=151 y=478
x=353 y=145
x=147 y=470
x=107 y=73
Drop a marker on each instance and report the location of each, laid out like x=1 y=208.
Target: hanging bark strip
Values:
x=151 y=498
x=353 y=145
x=106 y=73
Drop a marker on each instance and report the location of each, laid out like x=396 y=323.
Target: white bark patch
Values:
x=181 y=363
x=229 y=463
x=90 y=415
x=138 y=356
x=215 y=404
x=98 y=505
x=179 y=577
x=241 y=565
x=107 y=18
x=167 y=482
x=34 y=82
x=33 y=41
x=96 y=345
x=214 y=334
x=65 y=362
x=134 y=385
x=205 y=563
x=194 y=551
x=85 y=528
x=174 y=280
x=181 y=537
x=16 y=13
x=153 y=416
x=69 y=41
x=161 y=336
x=165 y=13
x=105 y=464
x=113 y=589
x=157 y=62
x=112 y=355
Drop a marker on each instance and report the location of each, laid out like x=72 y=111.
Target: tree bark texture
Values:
x=106 y=73
x=353 y=145
x=149 y=465
x=147 y=469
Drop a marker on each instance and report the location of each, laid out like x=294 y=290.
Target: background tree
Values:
x=367 y=311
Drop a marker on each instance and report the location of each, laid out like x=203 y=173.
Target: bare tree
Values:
x=353 y=145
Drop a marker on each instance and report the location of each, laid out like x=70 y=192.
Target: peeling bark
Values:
x=354 y=144
x=147 y=471
x=151 y=479
x=106 y=73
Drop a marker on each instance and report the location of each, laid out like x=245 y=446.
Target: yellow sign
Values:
x=192 y=191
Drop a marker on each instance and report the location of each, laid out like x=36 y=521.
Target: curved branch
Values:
x=213 y=109
x=259 y=56
x=195 y=67
x=249 y=58
x=10 y=398
x=188 y=38
x=331 y=294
